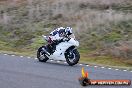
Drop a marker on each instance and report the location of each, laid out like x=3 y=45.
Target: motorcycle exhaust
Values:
x=46 y=52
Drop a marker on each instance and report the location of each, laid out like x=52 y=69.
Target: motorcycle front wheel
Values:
x=72 y=57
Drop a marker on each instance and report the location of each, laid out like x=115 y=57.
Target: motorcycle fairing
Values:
x=59 y=53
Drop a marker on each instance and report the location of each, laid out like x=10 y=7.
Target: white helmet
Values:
x=68 y=30
x=61 y=28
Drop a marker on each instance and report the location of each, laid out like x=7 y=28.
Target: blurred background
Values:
x=103 y=27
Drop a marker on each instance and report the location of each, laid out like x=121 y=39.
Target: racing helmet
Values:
x=61 y=28
x=68 y=30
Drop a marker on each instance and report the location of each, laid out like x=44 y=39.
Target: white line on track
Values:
x=80 y=64
x=116 y=69
x=51 y=60
x=95 y=66
x=124 y=70
x=13 y=55
x=35 y=58
x=102 y=67
x=65 y=62
x=21 y=56
x=58 y=61
x=28 y=57
x=5 y=54
x=87 y=65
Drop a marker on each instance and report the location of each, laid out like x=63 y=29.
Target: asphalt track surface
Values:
x=27 y=72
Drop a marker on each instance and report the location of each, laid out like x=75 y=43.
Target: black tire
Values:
x=84 y=81
x=40 y=55
x=77 y=57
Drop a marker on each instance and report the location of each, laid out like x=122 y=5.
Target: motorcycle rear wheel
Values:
x=41 y=56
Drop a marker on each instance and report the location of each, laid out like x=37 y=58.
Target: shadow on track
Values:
x=55 y=63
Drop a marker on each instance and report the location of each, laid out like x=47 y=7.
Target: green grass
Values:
x=112 y=37
x=118 y=7
x=38 y=41
x=27 y=50
x=106 y=61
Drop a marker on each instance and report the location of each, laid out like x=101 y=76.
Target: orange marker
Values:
x=84 y=80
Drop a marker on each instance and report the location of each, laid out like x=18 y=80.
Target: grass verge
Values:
x=106 y=61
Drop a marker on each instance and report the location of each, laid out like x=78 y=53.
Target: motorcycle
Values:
x=64 y=51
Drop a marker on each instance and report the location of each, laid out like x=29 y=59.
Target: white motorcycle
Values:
x=64 y=51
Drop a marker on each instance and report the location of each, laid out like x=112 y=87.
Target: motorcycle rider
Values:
x=57 y=36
